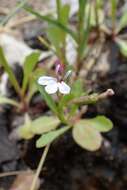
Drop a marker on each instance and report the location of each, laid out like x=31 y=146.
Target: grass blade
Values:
x=29 y=65
x=86 y=35
x=113 y=13
x=9 y=71
x=51 y=21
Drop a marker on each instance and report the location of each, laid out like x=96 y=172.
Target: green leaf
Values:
x=38 y=72
x=50 y=137
x=100 y=15
x=81 y=16
x=13 y=12
x=56 y=35
x=65 y=99
x=32 y=90
x=122 y=45
x=32 y=83
x=113 y=10
x=38 y=126
x=76 y=91
x=77 y=88
x=51 y=21
x=86 y=136
x=100 y=3
x=29 y=64
x=64 y=14
x=123 y=21
x=24 y=131
x=4 y=100
x=84 y=40
x=100 y=123
x=44 y=124
x=49 y=100
x=9 y=71
x=63 y=104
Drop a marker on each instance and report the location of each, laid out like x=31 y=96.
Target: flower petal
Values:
x=52 y=87
x=64 y=88
x=45 y=80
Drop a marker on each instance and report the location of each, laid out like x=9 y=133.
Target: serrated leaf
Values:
x=100 y=123
x=86 y=136
x=44 y=124
x=122 y=45
x=29 y=65
x=50 y=137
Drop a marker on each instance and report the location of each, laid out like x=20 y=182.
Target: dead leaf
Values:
x=23 y=181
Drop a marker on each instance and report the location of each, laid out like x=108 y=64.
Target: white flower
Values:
x=52 y=85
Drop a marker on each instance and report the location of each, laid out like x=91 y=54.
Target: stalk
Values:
x=41 y=163
x=113 y=15
x=96 y=17
x=58 y=4
x=81 y=33
x=62 y=49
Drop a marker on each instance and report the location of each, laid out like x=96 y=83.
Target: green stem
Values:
x=80 y=31
x=58 y=4
x=41 y=163
x=62 y=55
x=96 y=16
x=93 y=98
x=113 y=13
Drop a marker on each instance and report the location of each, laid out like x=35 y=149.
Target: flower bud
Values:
x=59 y=67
